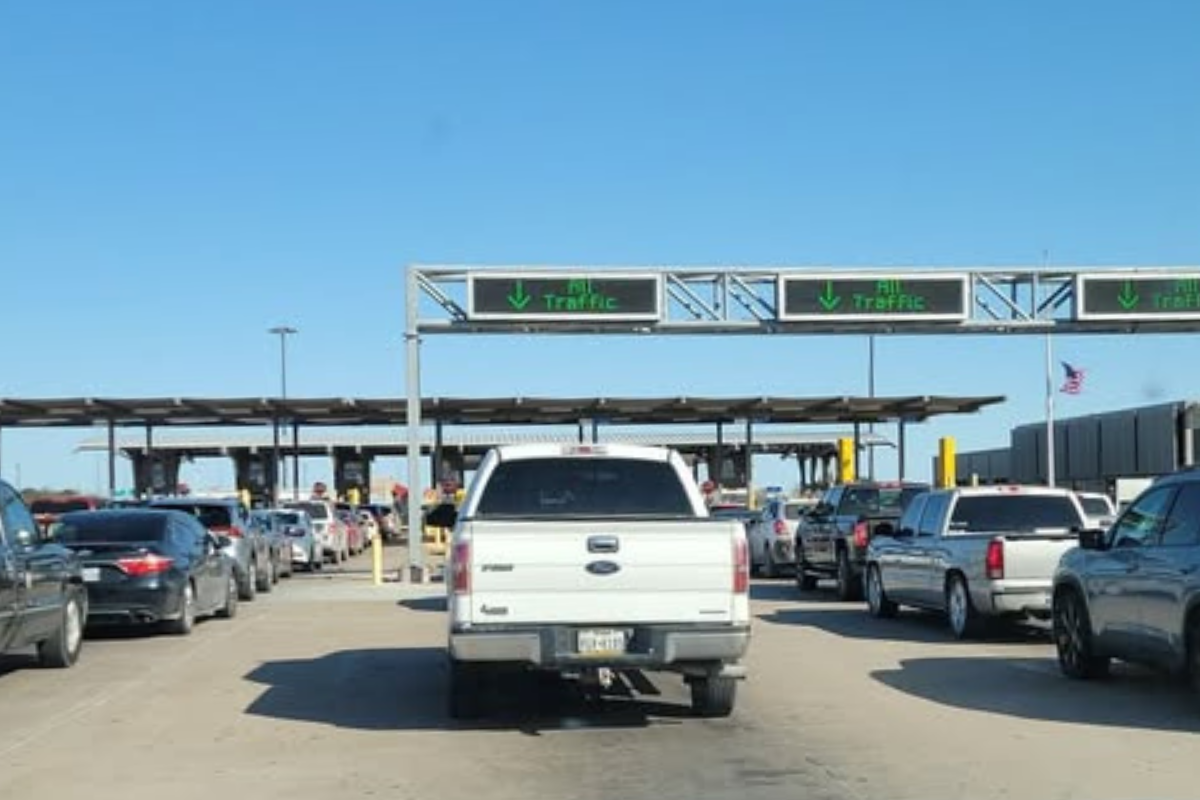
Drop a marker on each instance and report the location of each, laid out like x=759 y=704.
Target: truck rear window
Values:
x=1014 y=513
x=584 y=487
x=871 y=500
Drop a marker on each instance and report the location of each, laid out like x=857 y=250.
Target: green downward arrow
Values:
x=518 y=298
x=1128 y=298
x=829 y=300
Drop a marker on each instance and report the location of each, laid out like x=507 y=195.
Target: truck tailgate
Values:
x=1034 y=558
x=600 y=571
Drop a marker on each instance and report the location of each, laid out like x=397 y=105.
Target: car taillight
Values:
x=994 y=561
x=741 y=566
x=781 y=528
x=860 y=534
x=149 y=564
x=461 y=561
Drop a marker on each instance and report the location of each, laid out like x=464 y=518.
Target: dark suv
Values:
x=249 y=547
x=1133 y=592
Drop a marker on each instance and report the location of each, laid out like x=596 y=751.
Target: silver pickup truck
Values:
x=974 y=553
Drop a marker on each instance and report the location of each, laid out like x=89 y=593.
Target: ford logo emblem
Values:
x=603 y=567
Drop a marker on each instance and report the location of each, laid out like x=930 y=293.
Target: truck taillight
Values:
x=860 y=534
x=232 y=531
x=994 y=560
x=461 y=564
x=741 y=566
x=781 y=528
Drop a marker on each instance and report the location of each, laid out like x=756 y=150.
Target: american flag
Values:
x=1073 y=383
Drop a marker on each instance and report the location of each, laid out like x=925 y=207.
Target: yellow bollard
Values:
x=947 y=463
x=847 y=469
x=353 y=496
x=377 y=560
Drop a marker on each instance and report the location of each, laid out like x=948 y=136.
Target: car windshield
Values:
x=584 y=487
x=1014 y=513
x=123 y=529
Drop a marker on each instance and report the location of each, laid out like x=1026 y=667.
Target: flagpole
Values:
x=1049 y=411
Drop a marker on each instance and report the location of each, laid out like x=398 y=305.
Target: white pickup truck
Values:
x=591 y=559
x=974 y=553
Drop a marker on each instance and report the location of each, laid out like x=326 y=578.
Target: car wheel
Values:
x=266 y=576
x=63 y=647
x=187 y=613
x=849 y=587
x=1193 y=653
x=230 y=609
x=1073 y=639
x=465 y=695
x=877 y=599
x=965 y=622
x=713 y=696
x=249 y=583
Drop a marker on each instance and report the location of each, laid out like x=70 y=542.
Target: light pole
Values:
x=283 y=332
x=871 y=394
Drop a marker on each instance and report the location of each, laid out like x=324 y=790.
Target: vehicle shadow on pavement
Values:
x=16 y=662
x=777 y=591
x=1033 y=688
x=851 y=620
x=437 y=603
x=406 y=689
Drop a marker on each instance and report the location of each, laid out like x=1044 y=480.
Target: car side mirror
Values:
x=1092 y=539
x=442 y=516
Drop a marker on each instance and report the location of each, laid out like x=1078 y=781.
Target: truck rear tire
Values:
x=713 y=696
x=805 y=581
x=848 y=586
x=465 y=694
x=965 y=622
x=769 y=570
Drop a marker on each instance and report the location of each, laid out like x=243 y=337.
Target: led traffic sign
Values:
x=1138 y=295
x=875 y=297
x=565 y=297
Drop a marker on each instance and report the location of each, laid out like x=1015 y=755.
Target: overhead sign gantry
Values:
x=814 y=300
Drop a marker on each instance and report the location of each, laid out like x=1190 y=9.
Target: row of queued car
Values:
x=1114 y=585
x=68 y=564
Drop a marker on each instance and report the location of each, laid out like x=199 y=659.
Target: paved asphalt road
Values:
x=333 y=688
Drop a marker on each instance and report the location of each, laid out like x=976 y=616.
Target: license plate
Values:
x=600 y=642
x=91 y=574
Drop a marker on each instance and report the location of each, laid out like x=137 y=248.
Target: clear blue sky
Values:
x=177 y=177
